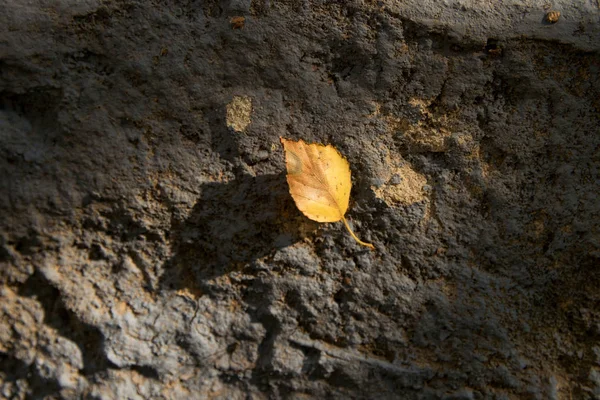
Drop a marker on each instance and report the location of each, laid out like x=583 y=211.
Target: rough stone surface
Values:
x=148 y=250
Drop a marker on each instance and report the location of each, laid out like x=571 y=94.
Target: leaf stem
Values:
x=369 y=245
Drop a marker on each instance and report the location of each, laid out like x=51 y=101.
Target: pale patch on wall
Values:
x=405 y=187
x=430 y=133
x=239 y=112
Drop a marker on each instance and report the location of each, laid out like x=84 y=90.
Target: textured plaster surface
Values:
x=149 y=247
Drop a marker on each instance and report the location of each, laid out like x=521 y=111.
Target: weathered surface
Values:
x=149 y=250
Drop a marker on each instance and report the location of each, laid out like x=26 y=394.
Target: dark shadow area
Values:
x=146 y=371
x=14 y=370
x=38 y=105
x=87 y=337
x=232 y=225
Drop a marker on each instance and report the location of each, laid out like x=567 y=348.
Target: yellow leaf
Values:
x=319 y=180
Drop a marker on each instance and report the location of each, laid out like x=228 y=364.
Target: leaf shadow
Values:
x=231 y=225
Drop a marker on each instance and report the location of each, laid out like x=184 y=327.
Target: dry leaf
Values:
x=319 y=180
x=553 y=16
x=237 y=22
